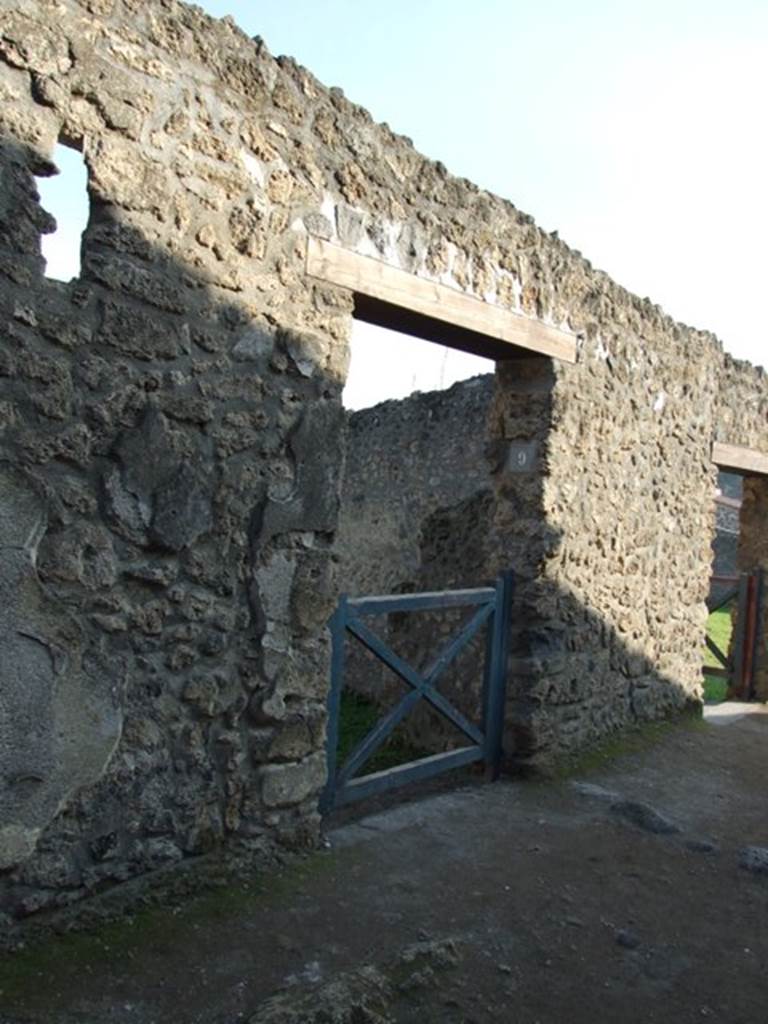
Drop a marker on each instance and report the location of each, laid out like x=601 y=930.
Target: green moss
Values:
x=719 y=630
x=715 y=689
x=60 y=962
x=633 y=740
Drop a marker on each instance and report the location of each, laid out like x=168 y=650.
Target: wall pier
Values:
x=753 y=554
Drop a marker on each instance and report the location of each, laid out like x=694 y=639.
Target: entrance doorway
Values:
x=417 y=413
x=418 y=503
x=735 y=657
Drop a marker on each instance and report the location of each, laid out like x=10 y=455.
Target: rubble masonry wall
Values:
x=171 y=446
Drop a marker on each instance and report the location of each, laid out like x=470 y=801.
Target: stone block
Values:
x=314 y=592
x=315 y=448
x=308 y=351
x=295 y=738
x=254 y=344
x=131 y=331
x=154 y=495
x=182 y=510
x=284 y=785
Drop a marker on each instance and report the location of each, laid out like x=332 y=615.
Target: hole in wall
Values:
x=65 y=197
x=386 y=364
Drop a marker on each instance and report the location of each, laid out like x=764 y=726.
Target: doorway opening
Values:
x=386 y=365
x=417 y=413
x=736 y=658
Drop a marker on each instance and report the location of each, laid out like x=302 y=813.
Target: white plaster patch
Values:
x=328 y=210
x=253 y=166
x=391 y=234
x=275 y=580
x=602 y=352
x=365 y=247
x=447 y=277
x=661 y=401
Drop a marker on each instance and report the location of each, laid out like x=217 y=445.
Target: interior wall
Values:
x=404 y=460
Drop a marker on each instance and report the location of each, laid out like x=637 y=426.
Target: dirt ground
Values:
x=622 y=893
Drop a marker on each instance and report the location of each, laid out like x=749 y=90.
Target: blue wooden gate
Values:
x=493 y=606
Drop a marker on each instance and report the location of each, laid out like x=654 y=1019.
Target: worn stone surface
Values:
x=367 y=995
x=358 y=997
x=58 y=730
x=178 y=406
x=471 y=903
x=644 y=817
x=754 y=859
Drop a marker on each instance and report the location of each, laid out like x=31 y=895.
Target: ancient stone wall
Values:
x=408 y=523
x=171 y=437
x=408 y=458
x=614 y=598
x=457 y=544
x=171 y=446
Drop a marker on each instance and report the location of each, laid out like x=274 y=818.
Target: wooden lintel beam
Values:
x=364 y=275
x=739 y=460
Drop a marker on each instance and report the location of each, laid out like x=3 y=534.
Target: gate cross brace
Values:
x=423 y=686
x=712 y=646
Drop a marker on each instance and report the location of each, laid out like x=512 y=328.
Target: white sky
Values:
x=635 y=130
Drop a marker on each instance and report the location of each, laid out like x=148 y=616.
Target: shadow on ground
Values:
x=619 y=894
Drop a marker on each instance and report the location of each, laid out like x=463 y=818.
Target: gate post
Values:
x=755 y=624
x=736 y=688
x=497 y=658
x=338 y=626
x=753 y=556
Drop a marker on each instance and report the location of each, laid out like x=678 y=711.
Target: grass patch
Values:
x=715 y=689
x=60 y=962
x=633 y=740
x=357 y=717
x=156 y=932
x=719 y=630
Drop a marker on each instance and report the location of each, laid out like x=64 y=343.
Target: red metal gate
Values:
x=737 y=665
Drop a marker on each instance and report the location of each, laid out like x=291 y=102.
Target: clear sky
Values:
x=636 y=130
